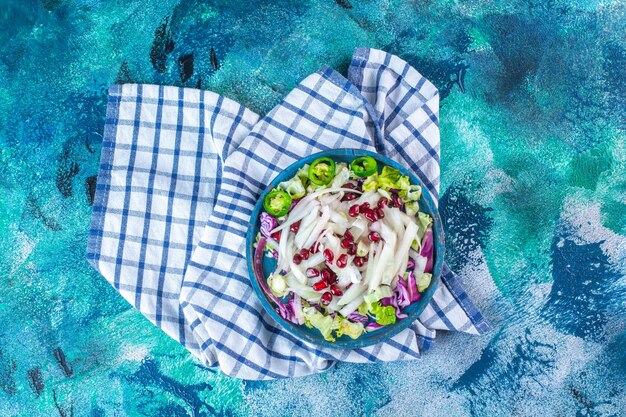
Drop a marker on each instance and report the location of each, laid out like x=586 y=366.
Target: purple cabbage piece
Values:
x=393 y=301
x=411 y=265
x=414 y=294
x=268 y=223
x=373 y=326
x=404 y=298
x=294 y=203
x=427 y=250
x=357 y=318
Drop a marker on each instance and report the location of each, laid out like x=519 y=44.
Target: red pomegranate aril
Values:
x=326 y=276
x=352 y=249
x=295 y=227
x=342 y=261
x=383 y=202
x=396 y=201
x=346 y=243
x=297 y=259
x=369 y=215
x=353 y=211
x=320 y=285
x=335 y=290
x=329 y=255
x=379 y=213
x=315 y=247
x=349 y=196
x=304 y=252
x=327 y=297
x=276 y=236
x=359 y=261
x=348 y=235
x=374 y=236
x=364 y=207
x=312 y=272
x=349 y=185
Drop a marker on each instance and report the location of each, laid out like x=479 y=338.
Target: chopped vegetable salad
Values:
x=352 y=248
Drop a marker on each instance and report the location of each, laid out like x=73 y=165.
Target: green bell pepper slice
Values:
x=322 y=171
x=277 y=203
x=364 y=166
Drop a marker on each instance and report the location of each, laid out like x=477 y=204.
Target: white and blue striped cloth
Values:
x=181 y=170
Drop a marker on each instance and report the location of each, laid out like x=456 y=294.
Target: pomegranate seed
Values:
x=335 y=290
x=383 y=202
x=304 y=252
x=350 y=196
x=297 y=259
x=346 y=243
x=374 y=236
x=315 y=247
x=327 y=297
x=359 y=185
x=329 y=255
x=349 y=185
x=295 y=227
x=359 y=261
x=369 y=215
x=364 y=207
x=379 y=213
x=312 y=272
x=352 y=250
x=353 y=211
x=326 y=276
x=276 y=236
x=396 y=201
x=342 y=261
x=348 y=235
x=320 y=285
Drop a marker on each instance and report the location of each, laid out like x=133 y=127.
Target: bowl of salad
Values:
x=345 y=248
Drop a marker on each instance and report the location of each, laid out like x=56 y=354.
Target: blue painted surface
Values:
x=533 y=162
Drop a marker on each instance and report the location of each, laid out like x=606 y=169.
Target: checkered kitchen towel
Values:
x=180 y=173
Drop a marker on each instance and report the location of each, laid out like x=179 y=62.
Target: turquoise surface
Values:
x=426 y=204
x=533 y=188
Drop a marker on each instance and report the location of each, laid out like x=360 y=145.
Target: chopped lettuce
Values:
x=296 y=186
x=277 y=284
x=384 y=315
x=371 y=183
x=392 y=178
x=325 y=324
x=423 y=221
x=411 y=193
x=424 y=281
x=342 y=176
x=363 y=309
x=354 y=330
x=380 y=292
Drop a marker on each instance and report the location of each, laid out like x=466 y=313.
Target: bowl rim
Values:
x=392 y=330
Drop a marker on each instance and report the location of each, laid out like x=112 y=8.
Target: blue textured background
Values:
x=534 y=186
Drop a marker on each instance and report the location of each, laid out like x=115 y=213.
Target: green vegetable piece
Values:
x=354 y=330
x=322 y=171
x=392 y=178
x=384 y=315
x=424 y=281
x=277 y=203
x=364 y=166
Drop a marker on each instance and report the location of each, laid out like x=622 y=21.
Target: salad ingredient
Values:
x=352 y=248
x=364 y=166
x=322 y=171
x=277 y=203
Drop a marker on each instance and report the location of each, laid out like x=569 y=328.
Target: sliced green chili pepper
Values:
x=322 y=171
x=277 y=203
x=364 y=166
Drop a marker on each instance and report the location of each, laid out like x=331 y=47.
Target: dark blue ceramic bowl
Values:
x=313 y=336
